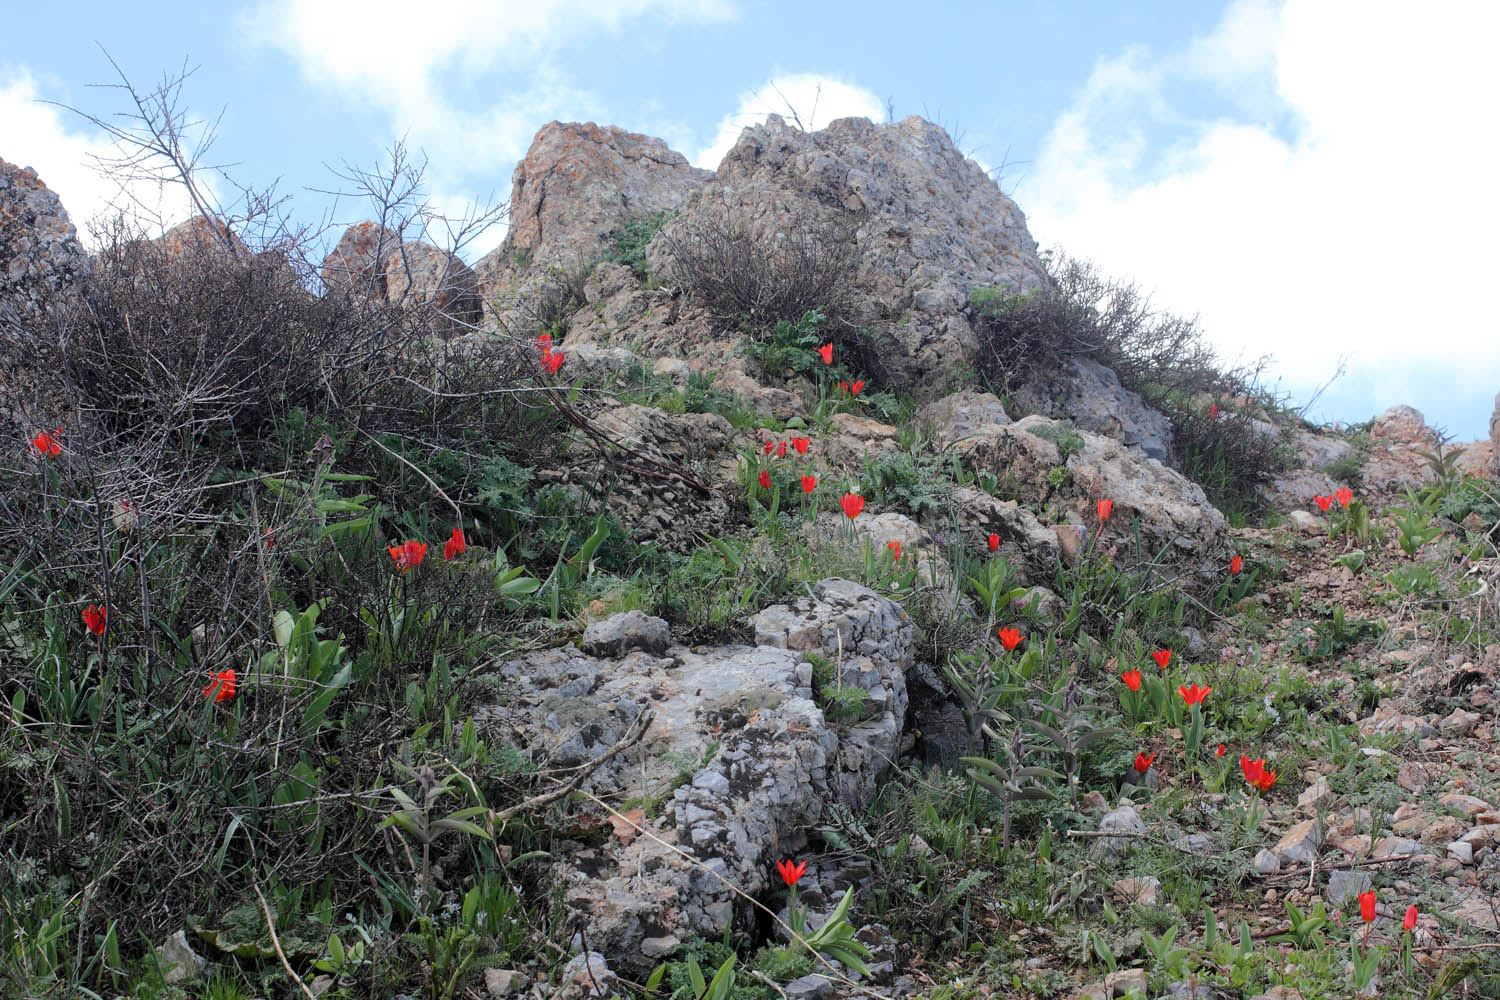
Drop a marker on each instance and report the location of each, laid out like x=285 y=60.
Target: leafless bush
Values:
x=753 y=276
x=215 y=420
x=1026 y=339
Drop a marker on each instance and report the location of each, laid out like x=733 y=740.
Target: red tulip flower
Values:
x=1010 y=638
x=1219 y=750
x=552 y=362
x=45 y=445
x=1266 y=781
x=270 y=539
x=1323 y=503
x=801 y=445
x=1252 y=769
x=221 y=688
x=852 y=504
x=765 y=479
x=809 y=483
x=455 y=546
x=544 y=344
x=781 y=449
x=768 y=447
x=1104 y=509
x=1193 y=694
x=1143 y=761
x=827 y=353
x=843 y=387
x=1409 y=922
x=94 y=618
x=790 y=873
x=1213 y=411
x=1367 y=906
x=994 y=542
x=894 y=548
x=408 y=555
x=1132 y=679
x=1235 y=565
x=1345 y=496
x=1162 y=657
x=854 y=389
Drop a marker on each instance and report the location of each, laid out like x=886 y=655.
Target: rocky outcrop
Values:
x=198 y=236
x=1180 y=531
x=576 y=184
x=1495 y=439
x=926 y=226
x=418 y=274
x=40 y=255
x=1396 y=461
x=354 y=264
x=373 y=261
x=736 y=765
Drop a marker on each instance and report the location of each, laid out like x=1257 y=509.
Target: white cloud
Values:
x=1344 y=206
x=426 y=84
x=816 y=99
x=61 y=147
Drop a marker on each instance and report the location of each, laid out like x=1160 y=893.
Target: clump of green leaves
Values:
x=628 y=243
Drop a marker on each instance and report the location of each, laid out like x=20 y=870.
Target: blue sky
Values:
x=1313 y=178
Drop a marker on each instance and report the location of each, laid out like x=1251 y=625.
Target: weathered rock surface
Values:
x=1090 y=396
x=1176 y=520
x=961 y=415
x=1495 y=439
x=420 y=274
x=580 y=181
x=748 y=759
x=373 y=261
x=927 y=226
x=577 y=183
x=1031 y=547
x=40 y=255
x=659 y=507
x=197 y=236
x=357 y=263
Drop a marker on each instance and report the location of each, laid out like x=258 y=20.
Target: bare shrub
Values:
x=1163 y=357
x=753 y=276
x=233 y=448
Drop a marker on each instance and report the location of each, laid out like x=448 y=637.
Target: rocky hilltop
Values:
x=718 y=519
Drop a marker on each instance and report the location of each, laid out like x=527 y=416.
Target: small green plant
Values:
x=792 y=347
x=1306 y=930
x=1167 y=957
x=1338 y=634
x=1013 y=780
x=1415 y=528
x=628 y=244
x=1063 y=434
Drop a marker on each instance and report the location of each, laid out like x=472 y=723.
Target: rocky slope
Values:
x=708 y=763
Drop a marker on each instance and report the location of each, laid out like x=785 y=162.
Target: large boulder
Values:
x=926 y=226
x=1180 y=532
x=735 y=768
x=40 y=255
